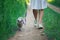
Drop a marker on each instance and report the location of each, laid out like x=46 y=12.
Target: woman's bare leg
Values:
x=35 y=14
x=40 y=26
x=41 y=16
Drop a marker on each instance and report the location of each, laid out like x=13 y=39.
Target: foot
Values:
x=40 y=26
x=35 y=23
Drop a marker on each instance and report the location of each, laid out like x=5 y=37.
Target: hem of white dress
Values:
x=39 y=8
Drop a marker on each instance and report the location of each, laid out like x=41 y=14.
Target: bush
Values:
x=10 y=10
x=52 y=24
x=56 y=3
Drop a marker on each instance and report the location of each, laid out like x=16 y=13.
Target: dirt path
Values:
x=29 y=32
x=56 y=9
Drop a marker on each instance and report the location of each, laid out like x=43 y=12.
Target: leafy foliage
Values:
x=56 y=3
x=10 y=10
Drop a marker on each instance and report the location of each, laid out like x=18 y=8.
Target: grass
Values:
x=52 y=24
x=10 y=10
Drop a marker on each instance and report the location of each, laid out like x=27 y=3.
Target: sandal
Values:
x=40 y=26
x=35 y=23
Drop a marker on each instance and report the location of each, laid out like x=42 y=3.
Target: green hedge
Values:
x=10 y=10
x=52 y=24
x=56 y=3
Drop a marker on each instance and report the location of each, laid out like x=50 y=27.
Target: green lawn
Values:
x=52 y=24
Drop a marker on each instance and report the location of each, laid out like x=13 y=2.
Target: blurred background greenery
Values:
x=55 y=2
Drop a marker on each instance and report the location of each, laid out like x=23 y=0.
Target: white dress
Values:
x=38 y=4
